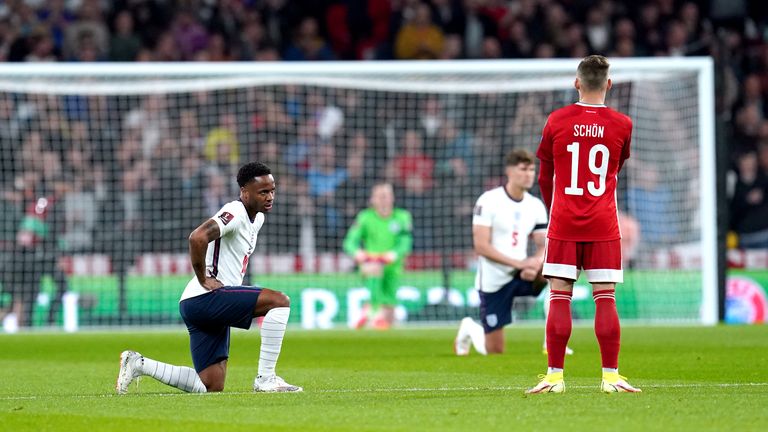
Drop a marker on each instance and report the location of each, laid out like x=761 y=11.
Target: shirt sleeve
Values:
x=541 y=217
x=352 y=241
x=625 y=150
x=483 y=212
x=546 y=167
x=228 y=218
x=404 y=242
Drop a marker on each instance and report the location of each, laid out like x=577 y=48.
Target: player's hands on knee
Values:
x=529 y=274
x=532 y=263
x=211 y=283
x=371 y=269
x=388 y=257
x=361 y=256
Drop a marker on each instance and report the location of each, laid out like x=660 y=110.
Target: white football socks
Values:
x=272 y=331
x=477 y=334
x=180 y=377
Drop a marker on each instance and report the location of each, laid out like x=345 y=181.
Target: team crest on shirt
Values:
x=394 y=227
x=517 y=215
x=478 y=211
x=226 y=217
x=492 y=320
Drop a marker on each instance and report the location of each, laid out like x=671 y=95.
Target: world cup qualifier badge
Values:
x=745 y=301
x=226 y=217
x=478 y=211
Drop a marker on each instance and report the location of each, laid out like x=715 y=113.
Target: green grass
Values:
x=693 y=379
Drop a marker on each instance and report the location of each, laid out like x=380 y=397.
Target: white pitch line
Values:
x=382 y=390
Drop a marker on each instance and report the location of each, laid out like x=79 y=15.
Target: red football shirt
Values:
x=582 y=150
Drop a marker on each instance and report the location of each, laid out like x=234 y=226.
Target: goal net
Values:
x=107 y=168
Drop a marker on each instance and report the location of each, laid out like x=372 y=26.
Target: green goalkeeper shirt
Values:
x=376 y=234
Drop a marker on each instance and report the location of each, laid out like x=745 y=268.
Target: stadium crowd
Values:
x=110 y=170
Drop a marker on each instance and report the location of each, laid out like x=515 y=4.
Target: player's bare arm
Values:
x=540 y=241
x=207 y=232
x=535 y=262
x=481 y=237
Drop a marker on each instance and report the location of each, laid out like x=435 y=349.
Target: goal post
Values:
x=132 y=156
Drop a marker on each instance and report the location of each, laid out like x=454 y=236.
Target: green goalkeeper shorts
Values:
x=384 y=288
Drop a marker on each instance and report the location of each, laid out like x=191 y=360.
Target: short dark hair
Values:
x=250 y=171
x=593 y=72
x=518 y=156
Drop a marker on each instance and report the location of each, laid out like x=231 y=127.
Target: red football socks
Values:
x=607 y=328
x=558 y=327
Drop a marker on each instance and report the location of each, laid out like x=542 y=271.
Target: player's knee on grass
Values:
x=494 y=342
x=213 y=376
x=214 y=387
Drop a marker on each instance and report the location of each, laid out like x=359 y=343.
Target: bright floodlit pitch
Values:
x=693 y=378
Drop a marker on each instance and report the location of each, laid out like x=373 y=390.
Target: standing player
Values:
x=583 y=147
x=214 y=299
x=504 y=219
x=380 y=239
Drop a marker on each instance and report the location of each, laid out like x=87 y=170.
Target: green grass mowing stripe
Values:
x=390 y=390
x=694 y=379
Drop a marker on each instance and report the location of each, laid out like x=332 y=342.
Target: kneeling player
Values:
x=215 y=300
x=504 y=219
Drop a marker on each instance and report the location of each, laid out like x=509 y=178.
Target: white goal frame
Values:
x=343 y=74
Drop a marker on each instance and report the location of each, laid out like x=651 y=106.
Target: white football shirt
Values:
x=227 y=257
x=511 y=223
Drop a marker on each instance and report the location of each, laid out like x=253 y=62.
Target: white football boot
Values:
x=129 y=370
x=463 y=340
x=274 y=384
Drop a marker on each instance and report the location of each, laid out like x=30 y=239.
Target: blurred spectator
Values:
x=518 y=43
x=226 y=19
x=308 y=44
x=189 y=35
x=350 y=196
x=190 y=138
x=42 y=48
x=88 y=33
x=253 y=40
x=412 y=169
x=419 y=38
x=216 y=192
x=749 y=206
x=124 y=45
x=651 y=202
x=527 y=120
x=598 y=29
x=454 y=153
x=297 y=152
x=166 y=49
x=56 y=17
x=449 y=15
x=148 y=121
x=324 y=178
x=452 y=48
x=217 y=50
x=412 y=172
x=222 y=145
x=476 y=27
x=278 y=16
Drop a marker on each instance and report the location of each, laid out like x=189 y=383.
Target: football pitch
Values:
x=692 y=378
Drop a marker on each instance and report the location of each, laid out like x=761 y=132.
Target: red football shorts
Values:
x=601 y=261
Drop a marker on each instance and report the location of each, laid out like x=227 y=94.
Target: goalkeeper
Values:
x=379 y=240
